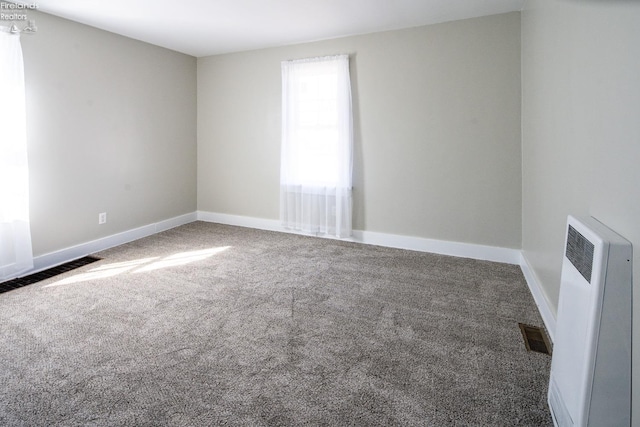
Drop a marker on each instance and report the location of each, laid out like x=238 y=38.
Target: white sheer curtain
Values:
x=15 y=235
x=317 y=146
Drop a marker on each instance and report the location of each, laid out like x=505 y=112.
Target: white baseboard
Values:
x=463 y=250
x=61 y=256
x=442 y=247
x=539 y=296
x=241 y=221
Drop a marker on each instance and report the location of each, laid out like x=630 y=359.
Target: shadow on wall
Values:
x=358 y=155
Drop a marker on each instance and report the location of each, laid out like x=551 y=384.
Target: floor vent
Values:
x=45 y=274
x=535 y=339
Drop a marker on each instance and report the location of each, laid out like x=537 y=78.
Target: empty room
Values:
x=319 y=212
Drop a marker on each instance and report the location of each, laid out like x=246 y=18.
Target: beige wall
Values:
x=111 y=126
x=437 y=130
x=581 y=131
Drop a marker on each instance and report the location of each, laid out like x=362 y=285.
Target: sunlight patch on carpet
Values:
x=140 y=266
x=182 y=259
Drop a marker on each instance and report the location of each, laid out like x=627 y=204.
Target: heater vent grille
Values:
x=46 y=274
x=535 y=339
x=580 y=253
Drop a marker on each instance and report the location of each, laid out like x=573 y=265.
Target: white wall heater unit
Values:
x=590 y=381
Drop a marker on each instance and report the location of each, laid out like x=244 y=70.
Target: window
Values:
x=316 y=158
x=15 y=235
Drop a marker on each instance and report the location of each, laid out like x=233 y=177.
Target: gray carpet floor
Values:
x=207 y=324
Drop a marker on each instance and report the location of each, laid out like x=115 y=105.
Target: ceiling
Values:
x=210 y=27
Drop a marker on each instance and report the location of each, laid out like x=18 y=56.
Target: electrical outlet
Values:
x=102 y=218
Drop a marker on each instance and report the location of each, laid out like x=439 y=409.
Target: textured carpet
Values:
x=208 y=324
